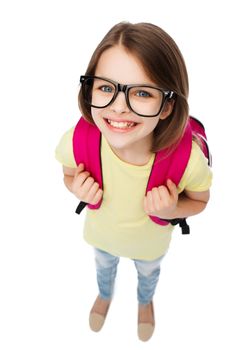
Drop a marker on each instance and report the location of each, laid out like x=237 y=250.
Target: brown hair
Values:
x=162 y=62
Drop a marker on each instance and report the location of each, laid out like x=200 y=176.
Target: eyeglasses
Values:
x=143 y=100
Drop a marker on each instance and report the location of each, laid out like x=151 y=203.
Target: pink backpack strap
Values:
x=199 y=130
x=86 y=149
x=167 y=164
x=170 y=166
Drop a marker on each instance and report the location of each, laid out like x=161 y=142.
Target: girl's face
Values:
x=120 y=66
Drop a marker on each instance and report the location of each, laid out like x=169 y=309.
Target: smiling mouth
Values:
x=121 y=125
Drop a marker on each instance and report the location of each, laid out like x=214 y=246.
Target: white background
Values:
x=47 y=272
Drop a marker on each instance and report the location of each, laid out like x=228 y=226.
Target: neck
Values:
x=135 y=155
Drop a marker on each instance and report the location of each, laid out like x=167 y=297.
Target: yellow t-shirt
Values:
x=120 y=226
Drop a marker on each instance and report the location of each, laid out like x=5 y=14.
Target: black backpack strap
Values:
x=182 y=223
x=80 y=207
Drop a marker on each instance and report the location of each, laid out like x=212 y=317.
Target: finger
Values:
x=80 y=179
x=79 y=169
x=149 y=202
x=91 y=191
x=168 y=198
x=86 y=186
x=145 y=204
x=172 y=189
x=97 y=197
x=164 y=194
x=156 y=199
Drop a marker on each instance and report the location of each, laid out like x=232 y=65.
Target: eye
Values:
x=106 y=88
x=143 y=93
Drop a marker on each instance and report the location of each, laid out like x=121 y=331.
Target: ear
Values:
x=167 y=109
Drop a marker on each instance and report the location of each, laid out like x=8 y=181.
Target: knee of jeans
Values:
x=146 y=268
x=105 y=260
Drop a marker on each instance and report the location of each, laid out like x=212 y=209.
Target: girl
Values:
x=135 y=92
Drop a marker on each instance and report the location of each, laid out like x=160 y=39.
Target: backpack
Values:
x=166 y=165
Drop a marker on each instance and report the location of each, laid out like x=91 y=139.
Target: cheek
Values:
x=151 y=124
x=96 y=113
x=93 y=112
x=99 y=112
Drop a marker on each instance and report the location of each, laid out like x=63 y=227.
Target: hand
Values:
x=84 y=186
x=162 y=201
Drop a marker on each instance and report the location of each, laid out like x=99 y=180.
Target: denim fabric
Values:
x=148 y=275
x=106 y=268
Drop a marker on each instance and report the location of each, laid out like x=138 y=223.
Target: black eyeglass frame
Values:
x=168 y=94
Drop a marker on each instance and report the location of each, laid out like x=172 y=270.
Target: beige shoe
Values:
x=98 y=314
x=145 y=329
x=96 y=321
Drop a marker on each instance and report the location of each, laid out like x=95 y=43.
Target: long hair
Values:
x=163 y=63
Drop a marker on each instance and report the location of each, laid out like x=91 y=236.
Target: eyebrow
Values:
x=137 y=84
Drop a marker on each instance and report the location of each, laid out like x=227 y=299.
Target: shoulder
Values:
x=196 y=155
x=197 y=175
x=64 y=150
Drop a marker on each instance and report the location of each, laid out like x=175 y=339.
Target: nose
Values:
x=119 y=105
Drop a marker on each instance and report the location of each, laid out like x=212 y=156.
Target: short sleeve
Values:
x=64 y=150
x=198 y=175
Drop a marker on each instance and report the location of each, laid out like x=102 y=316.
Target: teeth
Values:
x=120 y=125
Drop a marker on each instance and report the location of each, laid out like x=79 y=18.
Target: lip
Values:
x=119 y=130
x=121 y=120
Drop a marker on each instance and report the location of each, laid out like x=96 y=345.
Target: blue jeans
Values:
x=148 y=275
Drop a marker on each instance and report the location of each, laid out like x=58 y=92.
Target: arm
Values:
x=165 y=203
x=68 y=177
x=190 y=203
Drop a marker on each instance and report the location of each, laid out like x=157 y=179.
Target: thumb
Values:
x=81 y=165
x=171 y=187
x=79 y=169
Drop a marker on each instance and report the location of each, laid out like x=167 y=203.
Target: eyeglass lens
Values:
x=142 y=99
